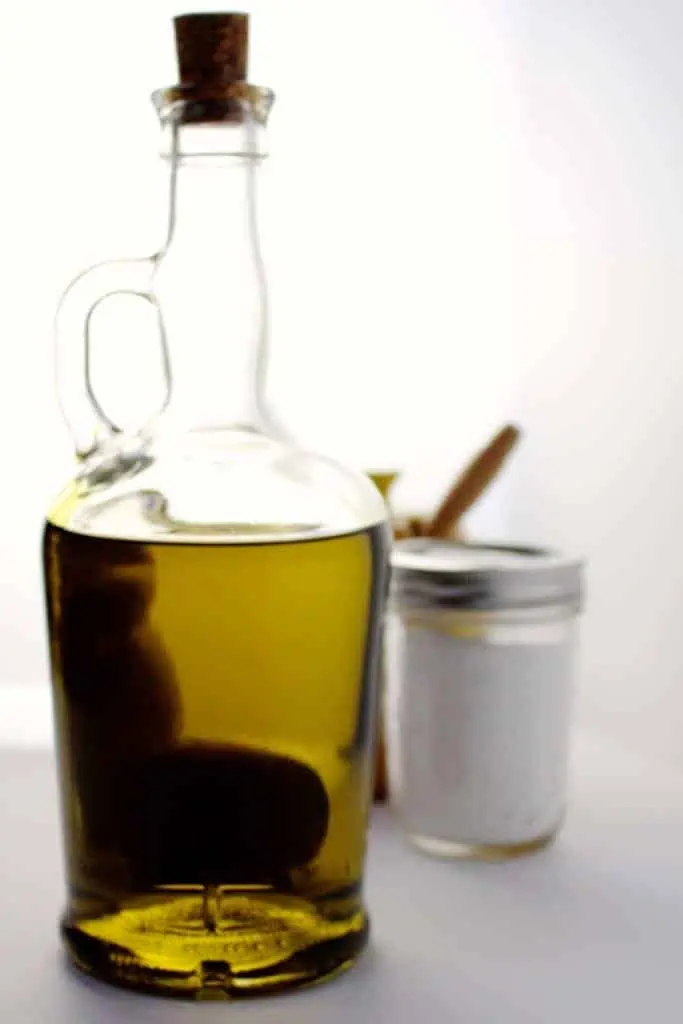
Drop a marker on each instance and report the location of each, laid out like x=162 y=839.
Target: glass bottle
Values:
x=214 y=600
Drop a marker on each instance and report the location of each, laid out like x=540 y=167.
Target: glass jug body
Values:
x=214 y=598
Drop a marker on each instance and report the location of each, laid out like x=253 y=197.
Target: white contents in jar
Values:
x=478 y=723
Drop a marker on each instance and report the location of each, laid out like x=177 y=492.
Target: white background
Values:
x=473 y=214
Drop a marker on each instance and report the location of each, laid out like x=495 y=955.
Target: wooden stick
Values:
x=472 y=482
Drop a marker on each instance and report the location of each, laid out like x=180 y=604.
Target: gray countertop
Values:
x=589 y=930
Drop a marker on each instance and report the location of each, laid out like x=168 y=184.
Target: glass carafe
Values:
x=214 y=597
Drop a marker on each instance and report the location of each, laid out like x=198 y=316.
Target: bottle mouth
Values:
x=229 y=103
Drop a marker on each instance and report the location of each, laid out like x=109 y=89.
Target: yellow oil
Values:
x=215 y=707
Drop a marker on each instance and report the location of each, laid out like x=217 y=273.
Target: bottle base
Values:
x=215 y=945
x=447 y=849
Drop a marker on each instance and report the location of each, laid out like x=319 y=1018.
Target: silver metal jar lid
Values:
x=449 y=574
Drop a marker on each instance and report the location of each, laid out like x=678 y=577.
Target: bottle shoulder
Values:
x=216 y=486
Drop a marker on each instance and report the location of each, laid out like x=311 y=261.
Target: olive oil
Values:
x=215 y=720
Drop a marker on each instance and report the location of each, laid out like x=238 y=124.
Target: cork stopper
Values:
x=212 y=49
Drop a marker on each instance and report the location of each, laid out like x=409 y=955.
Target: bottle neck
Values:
x=211 y=283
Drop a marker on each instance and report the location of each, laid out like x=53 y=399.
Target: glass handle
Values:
x=87 y=420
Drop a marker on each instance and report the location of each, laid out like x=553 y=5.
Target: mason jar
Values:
x=481 y=648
